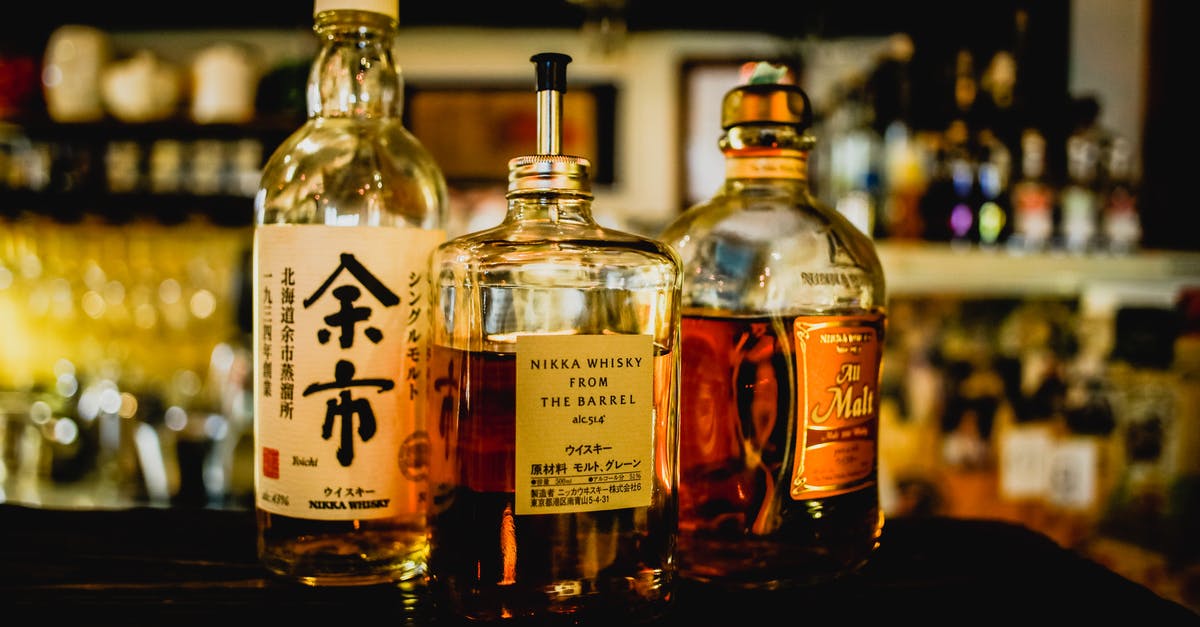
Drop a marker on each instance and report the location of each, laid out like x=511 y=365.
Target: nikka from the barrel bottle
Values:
x=554 y=403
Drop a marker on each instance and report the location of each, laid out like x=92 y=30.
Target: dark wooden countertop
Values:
x=146 y=566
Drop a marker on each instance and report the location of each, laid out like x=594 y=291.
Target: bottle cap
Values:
x=549 y=172
x=766 y=98
x=390 y=8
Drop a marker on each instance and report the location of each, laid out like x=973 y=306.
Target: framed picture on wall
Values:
x=473 y=131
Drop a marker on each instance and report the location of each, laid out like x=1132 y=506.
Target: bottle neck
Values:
x=761 y=152
x=354 y=74
x=550 y=206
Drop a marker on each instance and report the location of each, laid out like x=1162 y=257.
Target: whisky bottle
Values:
x=554 y=394
x=1033 y=198
x=1120 y=216
x=783 y=325
x=1079 y=198
x=349 y=208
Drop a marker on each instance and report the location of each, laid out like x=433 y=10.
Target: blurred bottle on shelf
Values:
x=993 y=174
x=73 y=68
x=904 y=167
x=1033 y=198
x=855 y=160
x=224 y=80
x=1079 y=200
x=1146 y=409
x=1032 y=339
x=1120 y=217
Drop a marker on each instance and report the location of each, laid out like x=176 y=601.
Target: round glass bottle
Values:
x=782 y=327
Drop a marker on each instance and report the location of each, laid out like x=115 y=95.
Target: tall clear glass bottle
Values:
x=554 y=389
x=349 y=208
x=783 y=325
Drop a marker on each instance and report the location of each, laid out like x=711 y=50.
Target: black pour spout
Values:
x=551 y=85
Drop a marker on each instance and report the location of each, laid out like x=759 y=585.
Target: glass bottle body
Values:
x=348 y=209
x=782 y=329
x=532 y=512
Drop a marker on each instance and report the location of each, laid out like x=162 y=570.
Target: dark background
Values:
x=939 y=28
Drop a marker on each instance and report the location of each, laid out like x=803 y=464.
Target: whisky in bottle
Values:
x=349 y=208
x=783 y=325
x=553 y=403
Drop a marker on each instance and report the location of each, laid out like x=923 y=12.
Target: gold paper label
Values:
x=341 y=320
x=788 y=165
x=584 y=423
x=838 y=382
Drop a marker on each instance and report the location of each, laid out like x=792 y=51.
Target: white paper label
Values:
x=341 y=317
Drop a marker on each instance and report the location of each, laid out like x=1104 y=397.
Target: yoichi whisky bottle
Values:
x=554 y=403
x=783 y=324
x=349 y=208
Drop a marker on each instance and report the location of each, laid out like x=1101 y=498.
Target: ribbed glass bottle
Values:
x=555 y=365
x=349 y=209
x=783 y=324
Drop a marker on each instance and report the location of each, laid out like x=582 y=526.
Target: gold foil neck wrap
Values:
x=778 y=103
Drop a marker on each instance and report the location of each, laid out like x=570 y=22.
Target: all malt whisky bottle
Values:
x=783 y=324
x=349 y=208
x=554 y=395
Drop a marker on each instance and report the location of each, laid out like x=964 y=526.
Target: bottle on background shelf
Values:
x=1143 y=394
x=1119 y=212
x=994 y=170
x=1079 y=198
x=1033 y=198
x=783 y=330
x=554 y=402
x=348 y=210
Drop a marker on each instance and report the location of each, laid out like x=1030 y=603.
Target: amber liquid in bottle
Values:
x=739 y=523
x=592 y=564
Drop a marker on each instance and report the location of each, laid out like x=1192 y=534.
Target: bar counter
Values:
x=174 y=566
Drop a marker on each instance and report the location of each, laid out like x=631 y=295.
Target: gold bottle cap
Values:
x=769 y=101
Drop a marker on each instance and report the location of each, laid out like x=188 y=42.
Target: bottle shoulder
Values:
x=319 y=138
x=763 y=220
x=542 y=242
x=746 y=253
x=375 y=170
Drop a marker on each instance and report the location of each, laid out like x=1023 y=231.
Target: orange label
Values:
x=838 y=425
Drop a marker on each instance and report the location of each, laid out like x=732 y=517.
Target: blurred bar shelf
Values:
x=925 y=268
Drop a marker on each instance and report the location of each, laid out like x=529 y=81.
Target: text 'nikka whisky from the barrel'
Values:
x=349 y=208
x=782 y=328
